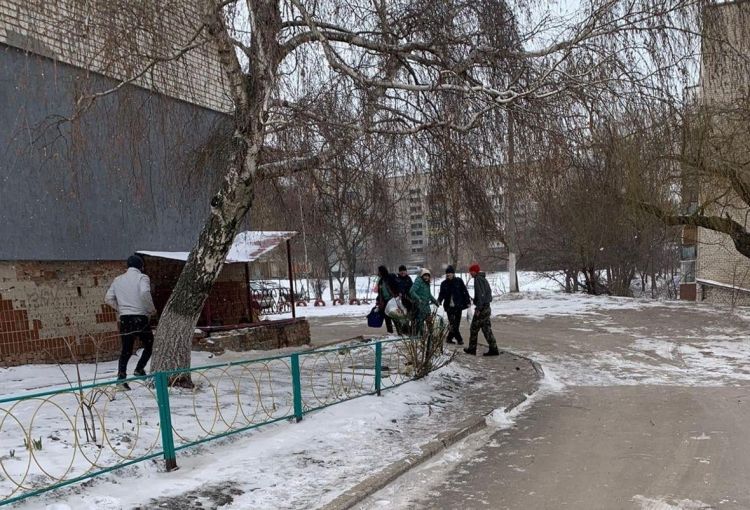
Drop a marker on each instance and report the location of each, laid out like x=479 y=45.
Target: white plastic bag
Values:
x=394 y=308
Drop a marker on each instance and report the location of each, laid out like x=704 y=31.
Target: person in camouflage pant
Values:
x=482 y=313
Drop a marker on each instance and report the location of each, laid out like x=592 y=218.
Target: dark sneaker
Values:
x=123 y=386
x=471 y=351
x=460 y=342
x=492 y=352
x=450 y=341
x=139 y=373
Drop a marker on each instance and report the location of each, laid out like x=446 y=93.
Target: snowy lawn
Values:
x=51 y=438
x=283 y=465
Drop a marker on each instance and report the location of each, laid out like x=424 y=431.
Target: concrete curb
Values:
x=444 y=440
x=379 y=480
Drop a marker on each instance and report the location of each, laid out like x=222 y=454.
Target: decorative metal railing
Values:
x=60 y=437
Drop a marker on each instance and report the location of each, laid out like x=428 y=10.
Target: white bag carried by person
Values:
x=394 y=308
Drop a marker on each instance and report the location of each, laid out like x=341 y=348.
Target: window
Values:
x=417 y=241
x=688 y=271
x=415 y=208
x=416 y=225
x=688 y=252
x=417 y=250
x=416 y=217
x=416 y=233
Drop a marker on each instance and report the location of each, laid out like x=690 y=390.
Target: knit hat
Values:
x=450 y=270
x=474 y=268
x=424 y=271
x=135 y=261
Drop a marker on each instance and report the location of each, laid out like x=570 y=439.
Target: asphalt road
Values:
x=651 y=412
x=652 y=447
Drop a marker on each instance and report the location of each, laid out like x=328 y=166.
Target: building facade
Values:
x=712 y=269
x=83 y=188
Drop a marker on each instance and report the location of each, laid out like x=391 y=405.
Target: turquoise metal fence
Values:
x=60 y=437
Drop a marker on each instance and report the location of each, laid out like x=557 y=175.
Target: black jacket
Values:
x=404 y=284
x=456 y=289
x=391 y=285
x=482 y=291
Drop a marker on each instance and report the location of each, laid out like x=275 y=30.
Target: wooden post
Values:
x=291 y=276
x=249 y=293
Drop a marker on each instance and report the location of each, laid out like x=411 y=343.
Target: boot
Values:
x=492 y=352
x=471 y=350
x=121 y=384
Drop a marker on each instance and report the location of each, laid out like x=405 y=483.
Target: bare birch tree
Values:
x=279 y=57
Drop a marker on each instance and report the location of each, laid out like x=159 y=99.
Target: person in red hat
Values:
x=482 y=313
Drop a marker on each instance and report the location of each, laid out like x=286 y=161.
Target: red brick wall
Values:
x=55 y=311
x=265 y=336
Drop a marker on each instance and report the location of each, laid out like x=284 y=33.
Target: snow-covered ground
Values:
x=125 y=425
x=283 y=465
x=287 y=465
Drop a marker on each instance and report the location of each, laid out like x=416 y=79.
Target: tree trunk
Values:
x=592 y=281
x=341 y=279
x=512 y=273
x=330 y=285
x=250 y=94
x=174 y=335
x=352 y=277
x=510 y=209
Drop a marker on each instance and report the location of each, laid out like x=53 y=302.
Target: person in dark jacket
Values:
x=482 y=313
x=387 y=289
x=455 y=299
x=404 y=286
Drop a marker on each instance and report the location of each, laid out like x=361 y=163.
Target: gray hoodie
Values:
x=482 y=291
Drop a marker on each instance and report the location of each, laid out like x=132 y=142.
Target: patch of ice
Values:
x=662 y=348
x=668 y=504
x=502 y=419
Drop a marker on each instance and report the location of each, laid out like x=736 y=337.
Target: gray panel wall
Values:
x=135 y=172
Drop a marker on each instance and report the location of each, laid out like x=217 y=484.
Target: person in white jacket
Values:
x=130 y=296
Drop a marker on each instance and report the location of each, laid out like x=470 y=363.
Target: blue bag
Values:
x=375 y=318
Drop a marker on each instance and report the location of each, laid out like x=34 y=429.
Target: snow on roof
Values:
x=247 y=246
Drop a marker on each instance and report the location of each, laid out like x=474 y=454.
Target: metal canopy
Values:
x=247 y=246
